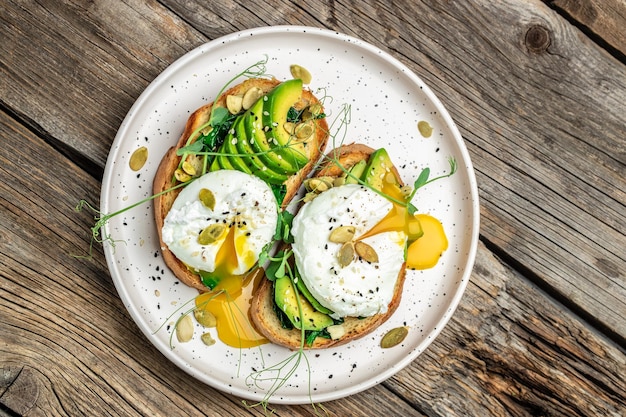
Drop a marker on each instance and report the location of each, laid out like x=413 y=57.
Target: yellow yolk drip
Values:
x=426 y=236
x=426 y=251
x=230 y=300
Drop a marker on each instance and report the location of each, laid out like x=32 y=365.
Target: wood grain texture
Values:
x=73 y=69
x=604 y=19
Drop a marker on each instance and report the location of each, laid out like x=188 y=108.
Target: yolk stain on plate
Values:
x=230 y=300
x=425 y=252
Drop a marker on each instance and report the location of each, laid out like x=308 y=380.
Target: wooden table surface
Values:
x=538 y=91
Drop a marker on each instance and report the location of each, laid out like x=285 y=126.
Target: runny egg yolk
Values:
x=426 y=236
x=230 y=300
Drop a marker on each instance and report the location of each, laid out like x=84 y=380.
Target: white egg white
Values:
x=360 y=289
x=242 y=201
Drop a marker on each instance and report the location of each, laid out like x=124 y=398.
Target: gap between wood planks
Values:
x=595 y=37
x=555 y=295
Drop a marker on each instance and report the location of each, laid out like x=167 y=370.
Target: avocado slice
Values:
x=307 y=294
x=356 y=172
x=285 y=298
x=379 y=171
x=275 y=110
x=252 y=161
x=272 y=158
x=223 y=162
x=230 y=151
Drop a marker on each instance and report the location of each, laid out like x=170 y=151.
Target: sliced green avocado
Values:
x=307 y=294
x=255 y=130
x=285 y=297
x=231 y=153
x=252 y=161
x=223 y=162
x=275 y=110
x=378 y=167
x=356 y=172
x=215 y=166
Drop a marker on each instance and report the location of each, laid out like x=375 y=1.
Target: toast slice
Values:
x=262 y=310
x=165 y=175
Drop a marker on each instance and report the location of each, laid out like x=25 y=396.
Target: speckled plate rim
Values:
x=453 y=139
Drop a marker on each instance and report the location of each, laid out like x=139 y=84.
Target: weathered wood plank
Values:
x=602 y=18
x=73 y=69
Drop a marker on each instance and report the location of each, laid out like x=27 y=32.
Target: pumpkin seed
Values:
x=184 y=329
x=181 y=175
x=250 y=97
x=342 y=234
x=211 y=233
x=339 y=181
x=366 y=252
x=189 y=168
x=138 y=158
x=205 y=317
x=192 y=165
x=207 y=339
x=309 y=197
x=318 y=185
x=234 y=104
x=290 y=127
x=300 y=72
x=346 y=254
x=425 y=128
x=207 y=198
x=304 y=130
x=394 y=337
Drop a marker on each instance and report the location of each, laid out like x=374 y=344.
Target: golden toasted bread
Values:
x=262 y=310
x=165 y=175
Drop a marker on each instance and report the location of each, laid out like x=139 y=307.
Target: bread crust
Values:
x=262 y=313
x=164 y=179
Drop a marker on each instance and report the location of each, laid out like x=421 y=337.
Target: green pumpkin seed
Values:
x=207 y=198
x=181 y=175
x=138 y=158
x=394 y=337
x=304 y=130
x=211 y=233
x=346 y=254
x=425 y=128
x=205 y=317
x=298 y=71
x=207 y=339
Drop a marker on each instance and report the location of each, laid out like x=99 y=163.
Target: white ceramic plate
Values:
x=387 y=102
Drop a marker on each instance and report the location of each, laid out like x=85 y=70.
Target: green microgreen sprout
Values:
x=101 y=219
x=280 y=373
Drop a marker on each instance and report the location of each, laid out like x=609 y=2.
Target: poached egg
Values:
x=241 y=212
x=360 y=289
